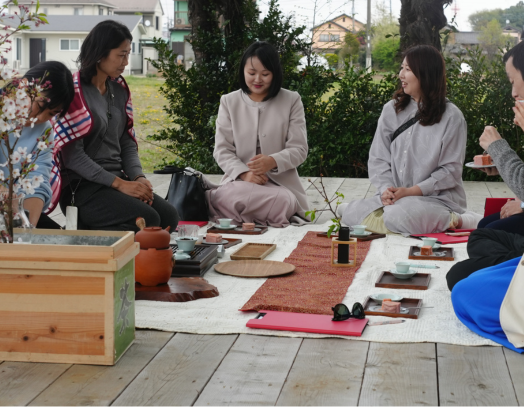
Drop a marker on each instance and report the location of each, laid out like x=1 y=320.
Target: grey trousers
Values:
x=105 y=208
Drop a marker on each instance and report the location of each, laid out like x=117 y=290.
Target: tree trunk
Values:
x=201 y=16
x=421 y=21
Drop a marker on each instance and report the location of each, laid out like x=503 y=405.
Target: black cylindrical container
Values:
x=343 y=249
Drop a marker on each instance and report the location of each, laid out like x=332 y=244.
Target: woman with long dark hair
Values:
x=260 y=141
x=96 y=151
x=417 y=156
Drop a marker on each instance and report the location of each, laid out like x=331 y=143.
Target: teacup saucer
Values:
x=377 y=308
x=182 y=256
x=217 y=225
x=224 y=241
x=435 y=246
x=403 y=276
x=360 y=234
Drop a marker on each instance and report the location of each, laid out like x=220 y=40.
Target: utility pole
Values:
x=368 y=38
x=353 y=15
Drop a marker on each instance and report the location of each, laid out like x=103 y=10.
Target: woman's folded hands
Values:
x=140 y=189
x=250 y=176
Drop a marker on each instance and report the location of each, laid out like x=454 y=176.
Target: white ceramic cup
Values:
x=429 y=241
x=225 y=223
x=402 y=266
x=359 y=229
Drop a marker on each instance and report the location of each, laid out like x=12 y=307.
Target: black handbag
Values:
x=186 y=193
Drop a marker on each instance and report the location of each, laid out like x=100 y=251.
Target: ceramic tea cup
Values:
x=359 y=229
x=429 y=241
x=402 y=266
x=225 y=223
x=186 y=244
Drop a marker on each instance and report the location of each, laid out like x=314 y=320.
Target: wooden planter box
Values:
x=68 y=298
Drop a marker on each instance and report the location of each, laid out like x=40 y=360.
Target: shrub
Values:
x=484 y=97
x=344 y=126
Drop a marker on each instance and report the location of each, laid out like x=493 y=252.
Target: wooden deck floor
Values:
x=164 y=368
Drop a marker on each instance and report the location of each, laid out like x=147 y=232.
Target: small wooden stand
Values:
x=352 y=242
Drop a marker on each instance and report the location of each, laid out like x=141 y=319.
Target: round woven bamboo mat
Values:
x=254 y=268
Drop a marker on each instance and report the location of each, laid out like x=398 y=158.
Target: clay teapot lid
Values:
x=153 y=237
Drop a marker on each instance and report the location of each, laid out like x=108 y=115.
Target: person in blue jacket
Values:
x=54 y=101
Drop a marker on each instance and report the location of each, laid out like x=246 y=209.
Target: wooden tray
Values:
x=372 y=236
x=449 y=256
x=254 y=268
x=406 y=302
x=263 y=229
x=253 y=251
x=419 y=281
x=177 y=289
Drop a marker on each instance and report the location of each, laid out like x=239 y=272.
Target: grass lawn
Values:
x=149 y=118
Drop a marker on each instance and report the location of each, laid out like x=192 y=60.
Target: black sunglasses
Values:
x=341 y=312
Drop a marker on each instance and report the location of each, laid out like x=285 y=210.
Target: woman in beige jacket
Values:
x=260 y=140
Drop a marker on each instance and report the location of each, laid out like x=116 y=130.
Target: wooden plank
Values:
x=305 y=182
x=100 y=385
x=400 y=374
x=51 y=332
x=22 y=382
x=252 y=373
x=52 y=303
x=470 y=375
x=515 y=362
x=326 y=372
x=499 y=190
x=371 y=191
x=51 y=284
x=476 y=194
x=177 y=375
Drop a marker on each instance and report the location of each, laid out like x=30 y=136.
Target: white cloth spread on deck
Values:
x=220 y=315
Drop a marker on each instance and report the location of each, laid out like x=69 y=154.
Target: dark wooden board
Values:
x=177 y=289
x=372 y=236
x=406 y=302
x=450 y=254
x=263 y=229
x=231 y=242
x=202 y=258
x=419 y=281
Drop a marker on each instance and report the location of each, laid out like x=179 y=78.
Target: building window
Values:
x=132 y=47
x=139 y=48
x=100 y=11
x=69 y=45
x=329 y=26
x=45 y=11
x=157 y=23
x=343 y=19
x=19 y=49
x=79 y=11
x=329 y=37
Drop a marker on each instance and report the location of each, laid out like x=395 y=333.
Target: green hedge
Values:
x=341 y=111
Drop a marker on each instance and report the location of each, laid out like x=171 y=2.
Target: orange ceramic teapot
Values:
x=153 y=237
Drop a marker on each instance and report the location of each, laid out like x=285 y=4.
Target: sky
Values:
x=327 y=9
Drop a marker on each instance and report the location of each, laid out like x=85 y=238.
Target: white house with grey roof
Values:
x=60 y=40
x=71 y=20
